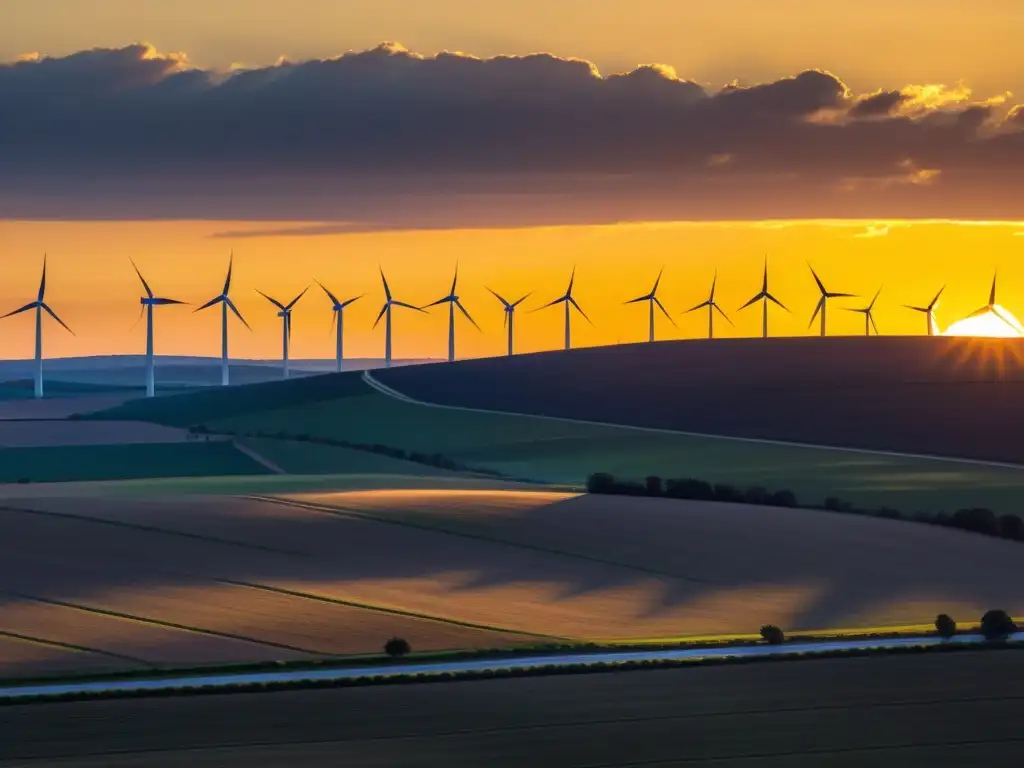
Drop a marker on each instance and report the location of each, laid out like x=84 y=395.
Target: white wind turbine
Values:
x=929 y=311
x=823 y=301
x=149 y=301
x=338 y=316
x=453 y=301
x=225 y=304
x=652 y=299
x=569 y=302
x=765 y=297
x=510 y=314
x=40 y=306
x=285 y=313
x=389 y=302
x=713 y=307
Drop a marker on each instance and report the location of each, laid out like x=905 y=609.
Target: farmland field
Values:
x=223 y=578
x=299 y=457
x=38 y=433
x=963 y=709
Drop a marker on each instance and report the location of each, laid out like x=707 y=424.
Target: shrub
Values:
x=397 y=647
x=997 y=625
x=653 y=486
x=757 y=494
x=783 y=498
x=698 y=490
x=945 y=626
x=726 y=492
x=772 y=635
x=977 y=519
x=600 y=482
x=1011 y=527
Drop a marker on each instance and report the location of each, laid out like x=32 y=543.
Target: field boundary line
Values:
x=256 y=456
x=151 y=529
x=74 y=647
x=160 y=623
x=363 y=515
x=387 y=610
x=384 y=389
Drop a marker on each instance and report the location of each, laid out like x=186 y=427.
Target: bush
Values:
x=784 y=498
x=397 y=647
x=653 y=486
x=730 y=493
x=1011 y=527
x=997 y=625
x=978 y=519
x=772 y=635
x=697 y=490
x=600 y=482
x=757 y=494
x=945 y=626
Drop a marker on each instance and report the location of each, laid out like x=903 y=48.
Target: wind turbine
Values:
x=765 y=297
x=712 y=306
x=389 y=302
x=510 y=314
x=653 y=300
x=148 y=302
x=823 y=301
x=285 y=313
x=869 y=318
x=225 y=304
x=994 y=308
x=338 y=316
x=569 y=302
x=453 y=301
x=929 y=311
x=40 y=305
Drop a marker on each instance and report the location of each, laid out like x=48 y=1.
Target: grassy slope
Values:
x=110 y=462
x=310 y=458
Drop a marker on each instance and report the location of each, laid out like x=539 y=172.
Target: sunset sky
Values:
x=880 y=141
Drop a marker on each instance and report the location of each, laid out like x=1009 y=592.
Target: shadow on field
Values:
x=579 y=567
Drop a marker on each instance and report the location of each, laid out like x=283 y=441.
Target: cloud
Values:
x=874 y=230
x=389 y=138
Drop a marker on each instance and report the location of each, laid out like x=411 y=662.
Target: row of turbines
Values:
x=284 y=310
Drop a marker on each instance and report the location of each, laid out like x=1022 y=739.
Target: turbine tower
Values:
x=510 y=315
x=569 y=302
x=149 y=301
x=929 y=311
x=823 y=301
x=40 y=306
x=653 y=300
x=453 y=301
x=225 y=304
x=764 y=296
x=338 y=316
x=712 y=306
x=869 y=318
x=285 y=313
x=389 y=302
x=994 y=308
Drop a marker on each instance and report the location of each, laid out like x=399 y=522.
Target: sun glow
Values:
x=996 y=323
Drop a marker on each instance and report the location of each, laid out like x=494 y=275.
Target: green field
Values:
x=106 y=462
x=565 y=453
x=300 y=457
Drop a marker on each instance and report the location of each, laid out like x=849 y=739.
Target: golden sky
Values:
x=92 y=286
x=962 y=58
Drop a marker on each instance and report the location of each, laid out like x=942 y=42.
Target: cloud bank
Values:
x=389 y=138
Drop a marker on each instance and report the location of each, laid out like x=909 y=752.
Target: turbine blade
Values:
x=445 y=300
x=455 y=279
x=657 y=282
x=779 y=303
x=714 y=282
x=764 y=282
x=210 y=303
x=275 y=302
x=580 y=310
x=459 y=305
x=872 y=304
x=817 y=309
x=521 y=300
x=26 y=308
x=992 y=293
x=841 y=295
x=408 y=306
x=722 y=313
x=233 y=308
x=665 y=311
x=638 y=299
x=231 y=267
x=504 y=303
x=552 y=303
x=699 y=306
x=331 y=296
x=572 y=279
x=165 y=302
x=149 y=292
x=934 y=302
x=387 y=290
x=138 y=319
x=334 y=318
x=917 y=309
x=349 y=301
x=753 y=301
x=296 y=299
x=821 y=287
x=42 y=282
x=382 y=311
x=982 y=311
x=54 y=316
x=871 y=317
x=504 y=323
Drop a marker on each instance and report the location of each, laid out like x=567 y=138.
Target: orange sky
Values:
x=93 y=288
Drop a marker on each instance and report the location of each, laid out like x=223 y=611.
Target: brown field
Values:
x=61 y=407
x=24 y=658
x=34 y=434
x=556 y=565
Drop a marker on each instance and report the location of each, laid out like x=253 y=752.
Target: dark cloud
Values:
x=133 y=133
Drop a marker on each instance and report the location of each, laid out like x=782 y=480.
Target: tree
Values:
x=397 y=647
x=653 y=486
x=977 y=519
x=997 y=625
x=945 y=626
x=772 y=635
x=600 y=482
x=1011 y=527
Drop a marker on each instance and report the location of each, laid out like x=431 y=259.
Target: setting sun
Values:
x=996 y=323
